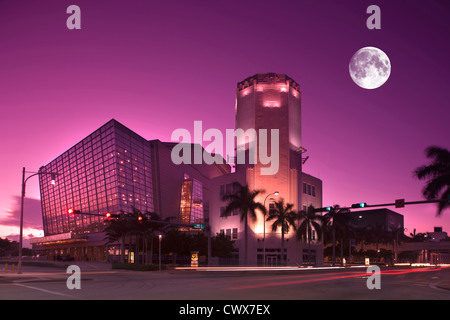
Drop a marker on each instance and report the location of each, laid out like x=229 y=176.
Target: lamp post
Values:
x=264 y=232
x=24 y=181
x=160 y=237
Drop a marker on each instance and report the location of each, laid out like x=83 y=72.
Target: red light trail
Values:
x=329 y=277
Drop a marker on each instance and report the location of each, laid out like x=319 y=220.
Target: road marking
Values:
x=45 y=290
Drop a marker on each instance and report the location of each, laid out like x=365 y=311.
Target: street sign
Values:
x=198 y=226
x=399 y=203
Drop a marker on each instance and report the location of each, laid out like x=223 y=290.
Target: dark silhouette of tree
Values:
x=437 y=176
x=243 y=199
x=309 y=221
x=283 y=217
x=332 y=222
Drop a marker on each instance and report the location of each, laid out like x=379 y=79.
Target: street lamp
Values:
x=160 y=237
x=264 y=234
x=24 y=181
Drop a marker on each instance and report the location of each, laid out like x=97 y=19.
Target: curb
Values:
x=444 y=285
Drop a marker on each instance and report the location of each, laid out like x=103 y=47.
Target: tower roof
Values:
x=268 y=78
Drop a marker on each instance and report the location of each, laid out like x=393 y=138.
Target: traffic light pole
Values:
x=403 y=203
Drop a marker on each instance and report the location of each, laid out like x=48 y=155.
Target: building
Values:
x=268 y=102
x=384 y=219
x=437 y=235
x=433 y=249
x=108 y=171
x=115 y=169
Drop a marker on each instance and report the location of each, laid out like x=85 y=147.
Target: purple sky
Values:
x=156 y=66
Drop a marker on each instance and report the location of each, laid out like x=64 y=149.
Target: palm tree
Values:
x=331 y=223
x=417 y=237
x=437 y=176
x=344 y=230
x=116 y=231
x=395 y=236
x=377 y=235
x=137 y=224
x=243 y=200
x=284 y=218
x=153 y=223
x=310 y=221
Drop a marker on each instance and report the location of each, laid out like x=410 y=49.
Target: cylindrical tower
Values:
x=271 y=101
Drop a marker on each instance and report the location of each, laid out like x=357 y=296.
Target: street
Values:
x=403 y=283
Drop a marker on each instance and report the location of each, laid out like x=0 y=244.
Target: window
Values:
x=271 y=207
x=229 y=188
x=309 y=189
x=223 y=214
x=235 y=234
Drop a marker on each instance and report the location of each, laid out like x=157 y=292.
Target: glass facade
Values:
x=108 y=171
x=191 y=205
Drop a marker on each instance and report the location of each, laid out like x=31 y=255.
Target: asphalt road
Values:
x=344 y=284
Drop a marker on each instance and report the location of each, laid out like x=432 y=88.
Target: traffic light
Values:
x=329 y=208
x=73 y=212
x=110 y=216
x=359 y=205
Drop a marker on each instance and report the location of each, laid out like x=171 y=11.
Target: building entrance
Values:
x=271 y=261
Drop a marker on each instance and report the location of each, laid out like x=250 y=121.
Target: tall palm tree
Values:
x=377 y=235
x=284 y=217
x=437 y=176
x=395 y=236
x=330 y=222
x=310 y=221
x=244 y=201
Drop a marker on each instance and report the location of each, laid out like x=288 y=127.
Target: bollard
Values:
x=6 y=267
x=12 y=268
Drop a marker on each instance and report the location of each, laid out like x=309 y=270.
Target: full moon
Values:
x=369 y=68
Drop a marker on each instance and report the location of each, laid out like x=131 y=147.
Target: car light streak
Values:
x=328 y=278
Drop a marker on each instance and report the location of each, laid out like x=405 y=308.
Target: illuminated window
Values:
x=271 y=104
